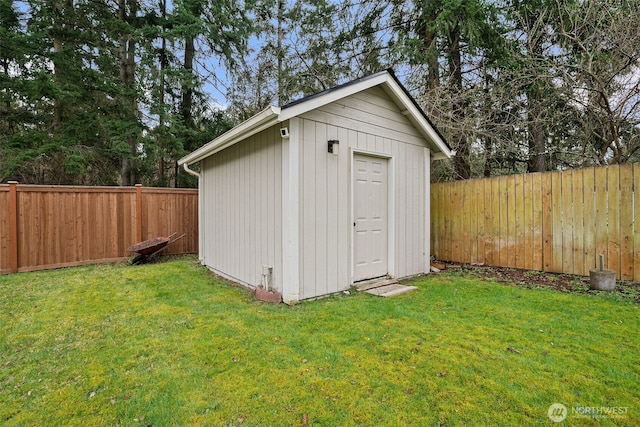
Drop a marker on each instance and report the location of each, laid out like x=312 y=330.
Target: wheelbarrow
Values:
x=150 y=248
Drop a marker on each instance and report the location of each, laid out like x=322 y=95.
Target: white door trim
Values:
x=391 y=222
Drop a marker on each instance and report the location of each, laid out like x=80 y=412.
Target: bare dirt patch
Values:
x=531 y=279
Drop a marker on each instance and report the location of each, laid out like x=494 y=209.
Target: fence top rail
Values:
x=528 y=174
x=165 y=190
x=495 y=178
x=89 y=189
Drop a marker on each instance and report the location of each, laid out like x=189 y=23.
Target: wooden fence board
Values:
x=503 y=229
x=487 y=241
x=577 y=193
x=463 y=223
x=465 y=205
x=555 y=221
x=102 y=217
x=511 y=221
x=613 y=230
x=589 y=219
x=446 y=209
x=471 y=197
x=440 y=246
x=547 y=223
x=527 y=199
x=441 y=221
x=467 y=215
x=441 y=240
x=480 y=184
x=636 y=228
x=433 y=225
x=502 y=221
x=445 y=204
x=62 y=226
x=518 y=213
x=495 y=221
x=601 y=212
x=537 y=237
x=462 y=220
x=4 y=229
x=488 y=222
x=456 y=220
x=566 y=213
x=626 y=222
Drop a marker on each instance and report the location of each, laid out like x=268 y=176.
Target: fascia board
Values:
x=317 y=102
x=418 y=117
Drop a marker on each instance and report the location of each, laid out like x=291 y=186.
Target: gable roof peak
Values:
x=273 y=115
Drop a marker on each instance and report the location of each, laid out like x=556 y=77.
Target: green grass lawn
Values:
x=169 y=344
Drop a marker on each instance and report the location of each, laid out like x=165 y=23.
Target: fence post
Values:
x=139 y=212
x=13 y=226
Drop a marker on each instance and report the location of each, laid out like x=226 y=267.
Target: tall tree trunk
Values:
x=127 y=78
x=187 y=94
x=461 y=159
x=433 y=66
x=196 y=9
x=488 y=107
x=58 y=68
x=537 y=156
x=161 y=123
x=187 y=85
x=280 y=51
x=535 y=118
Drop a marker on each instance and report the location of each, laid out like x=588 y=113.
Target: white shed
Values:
x=321 y=193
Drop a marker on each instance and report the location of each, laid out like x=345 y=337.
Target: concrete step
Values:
x=390 y=290
x=375 y=283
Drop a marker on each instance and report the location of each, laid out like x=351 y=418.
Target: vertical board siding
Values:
x=62 y=226
x=369 y=122
x=555 y=221
x=242 y=197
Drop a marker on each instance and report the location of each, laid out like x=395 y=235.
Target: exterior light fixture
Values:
x=334 y=146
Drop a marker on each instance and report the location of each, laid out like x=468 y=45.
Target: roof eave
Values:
x=264 y=119
x=297 y=108
x=419 y=118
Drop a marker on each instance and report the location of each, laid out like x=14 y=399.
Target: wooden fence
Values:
x=555 y=221
x=59 y=226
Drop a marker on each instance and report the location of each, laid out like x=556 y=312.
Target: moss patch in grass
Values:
x=169 y=344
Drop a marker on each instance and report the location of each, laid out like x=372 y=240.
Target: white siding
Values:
x=242 y=223
x=324 y=211
x=367 y=121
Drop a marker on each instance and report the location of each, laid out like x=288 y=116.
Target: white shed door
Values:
x=370 y=187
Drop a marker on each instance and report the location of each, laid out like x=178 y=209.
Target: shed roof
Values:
x=272 y=115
